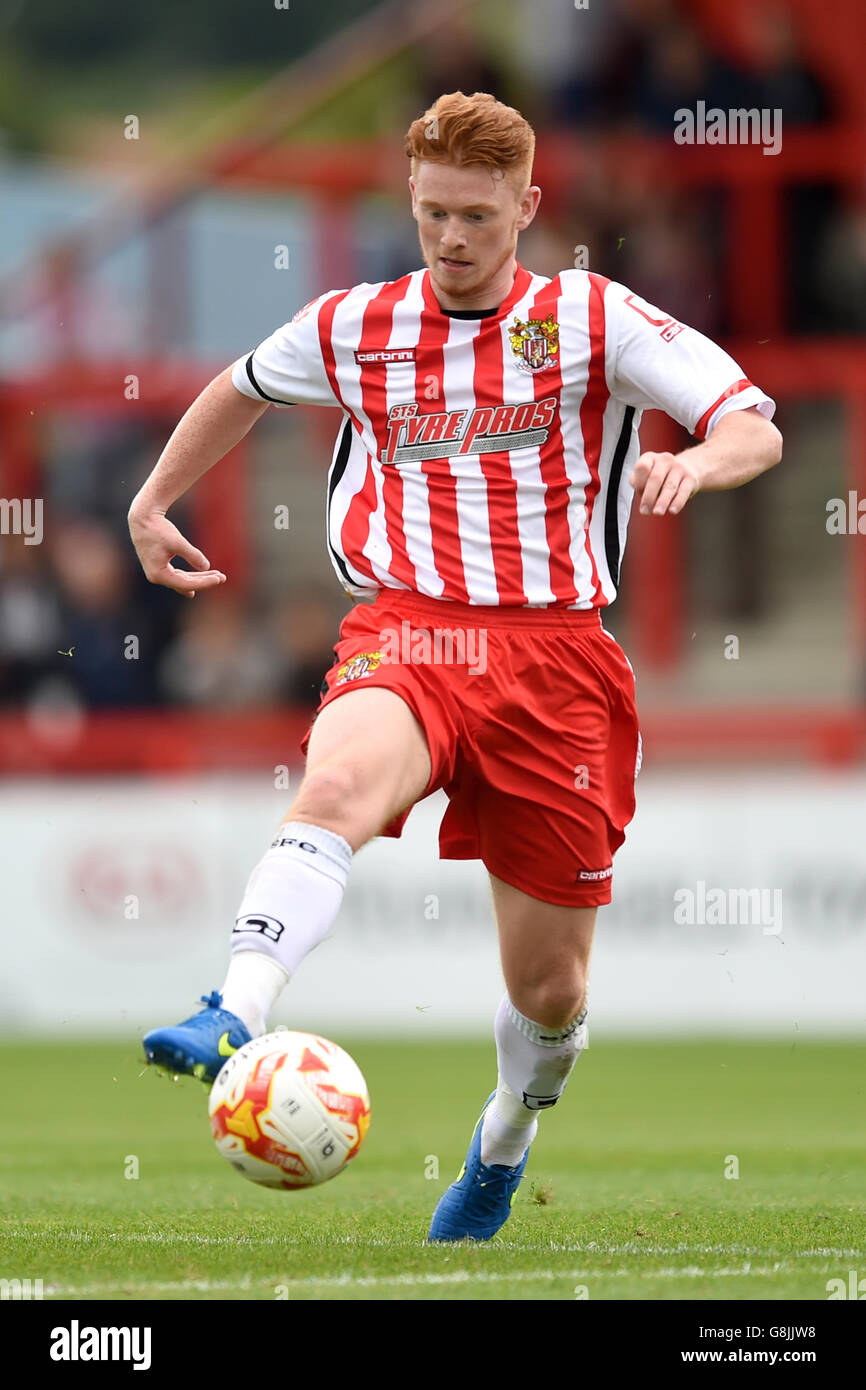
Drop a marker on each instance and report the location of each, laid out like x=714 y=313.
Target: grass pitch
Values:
x=625 y=1196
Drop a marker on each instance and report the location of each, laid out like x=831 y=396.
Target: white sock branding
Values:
x=288 y=908
x=539 y=1032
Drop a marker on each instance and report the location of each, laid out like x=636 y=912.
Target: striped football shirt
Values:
x=486 y=458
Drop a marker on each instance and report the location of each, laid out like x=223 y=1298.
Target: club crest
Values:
x=535 y=343
x=361 y=665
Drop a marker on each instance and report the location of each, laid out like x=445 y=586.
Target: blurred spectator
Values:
x=787 y=80
x=667 y=257
x=662 y=62
x=841 y=270
x=221 y=658
x=559 y=50
x=784 y=76
x=305 y=627
x=548 y=245
x=452 y=59
x=95 y=464
x=109 y=663
x=29 y=619
x=678 y=70
x=79 y=315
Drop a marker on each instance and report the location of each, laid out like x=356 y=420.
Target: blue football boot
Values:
x=479 y=1202
x=201 y=1045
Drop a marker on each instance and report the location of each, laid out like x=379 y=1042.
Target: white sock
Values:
x=535 y=1063
x=288 y=908
x=252 y=986
x=508 y=1128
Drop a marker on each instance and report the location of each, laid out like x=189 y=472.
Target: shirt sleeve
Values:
x=662 y=364
x=288 y=367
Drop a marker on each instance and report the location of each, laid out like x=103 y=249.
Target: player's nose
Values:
x=453 y=237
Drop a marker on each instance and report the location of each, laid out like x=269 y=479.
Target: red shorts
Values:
x=531 y=726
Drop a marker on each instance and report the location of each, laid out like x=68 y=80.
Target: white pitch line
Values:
x=349 y=1281
x=362 y=1244
x=645 y=1247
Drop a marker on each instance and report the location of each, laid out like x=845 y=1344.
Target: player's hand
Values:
x=664 y=482
x=157 y=541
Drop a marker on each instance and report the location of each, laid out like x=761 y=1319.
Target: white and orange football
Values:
x=289 y=1110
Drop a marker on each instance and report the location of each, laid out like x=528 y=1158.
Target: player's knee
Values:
x=554 y=1002
x=336 y=796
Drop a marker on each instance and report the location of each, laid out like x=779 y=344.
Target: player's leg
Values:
x=540 y=1033
x=554 y=762
x=367 y=761
x=540 y=1023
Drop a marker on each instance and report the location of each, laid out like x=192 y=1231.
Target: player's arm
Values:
x=284 y=370
x=655 y=362
x=742 y=445
x=215 y=422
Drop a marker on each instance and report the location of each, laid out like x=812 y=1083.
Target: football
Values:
x=289 y=1110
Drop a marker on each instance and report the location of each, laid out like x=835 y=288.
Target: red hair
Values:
x=458 y=129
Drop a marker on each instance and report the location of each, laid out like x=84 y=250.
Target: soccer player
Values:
x=485 y=465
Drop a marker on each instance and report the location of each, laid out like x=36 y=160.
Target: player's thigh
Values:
x=545 y=952
x=367 y=760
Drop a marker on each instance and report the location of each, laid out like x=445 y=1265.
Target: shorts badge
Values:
x=358 y=667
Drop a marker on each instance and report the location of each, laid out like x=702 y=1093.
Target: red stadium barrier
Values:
x=174 y=741
x=264 y=740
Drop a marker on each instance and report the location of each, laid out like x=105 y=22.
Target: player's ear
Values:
x=414 y=198
x=528 y=207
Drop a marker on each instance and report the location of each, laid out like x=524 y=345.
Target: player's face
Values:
x=468 y=220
